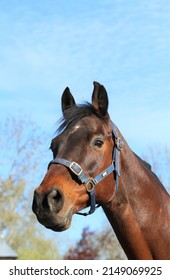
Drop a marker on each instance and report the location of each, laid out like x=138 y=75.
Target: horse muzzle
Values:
x=50 y=211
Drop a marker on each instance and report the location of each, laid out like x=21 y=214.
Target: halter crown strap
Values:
x=116 y=154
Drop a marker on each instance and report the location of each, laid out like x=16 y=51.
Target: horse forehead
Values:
x=79 y=131
x=92 y=124
x=85 y=127
x=75 y=128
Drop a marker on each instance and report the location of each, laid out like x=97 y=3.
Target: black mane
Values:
x=72 y=115
x=149 y=167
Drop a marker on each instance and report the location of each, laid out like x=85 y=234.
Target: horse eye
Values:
x=98 y=143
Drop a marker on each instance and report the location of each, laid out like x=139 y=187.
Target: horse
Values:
x=94 y=166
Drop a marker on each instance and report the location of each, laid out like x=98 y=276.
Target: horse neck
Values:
x=123 y=210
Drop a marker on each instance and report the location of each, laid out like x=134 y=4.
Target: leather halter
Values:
x=89 y=182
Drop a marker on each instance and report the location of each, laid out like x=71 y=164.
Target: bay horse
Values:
x=93 y=166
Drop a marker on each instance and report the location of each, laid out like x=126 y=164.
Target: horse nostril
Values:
x=54 y=201
x=36 y=203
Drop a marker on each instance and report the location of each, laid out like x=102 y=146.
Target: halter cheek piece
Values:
x=90 y=183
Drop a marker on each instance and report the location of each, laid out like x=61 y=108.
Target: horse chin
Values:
x=55 y=222
x=60 y=227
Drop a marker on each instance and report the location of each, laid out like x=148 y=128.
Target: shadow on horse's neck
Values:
x=129 y=211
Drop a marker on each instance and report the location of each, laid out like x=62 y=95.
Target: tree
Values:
x=21 y=143
x=96 y=246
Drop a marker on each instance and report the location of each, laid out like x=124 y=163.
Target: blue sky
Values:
x=48 y=45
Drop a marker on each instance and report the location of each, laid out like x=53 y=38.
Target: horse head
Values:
x=81 y=172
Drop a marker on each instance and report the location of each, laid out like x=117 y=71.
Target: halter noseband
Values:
x=89 y=182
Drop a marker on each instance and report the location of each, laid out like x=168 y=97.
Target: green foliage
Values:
x=39 y=249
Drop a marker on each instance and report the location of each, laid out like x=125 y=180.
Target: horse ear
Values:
x=67 y=100
x=100 y=98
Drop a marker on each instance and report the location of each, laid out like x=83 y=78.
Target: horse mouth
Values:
x=55 y=222
x=59 y=227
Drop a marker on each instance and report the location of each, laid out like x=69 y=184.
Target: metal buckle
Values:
x=119 y=143
x=73 y=166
